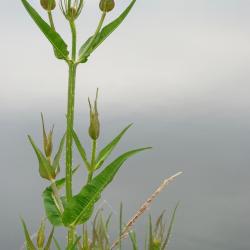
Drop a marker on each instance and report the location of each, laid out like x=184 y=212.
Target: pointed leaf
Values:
x=48 y=244
x=103 y=34
x=56 y=162
x=56 y=244
x=45 y=169
x=80 y=149
x=105 y=152
x=52 y=211
x=29 y=243
x=80 y=208
x=55 y=39
x=165 y=244
x=133 y=238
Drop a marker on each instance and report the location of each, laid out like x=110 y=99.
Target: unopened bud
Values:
x=107 y=5
x=94 y=128
x=47 y=140
x=41 y=235
x=48 y=4
x=72 y=12
x=156 y=244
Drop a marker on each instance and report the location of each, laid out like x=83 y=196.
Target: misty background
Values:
x=179 y=70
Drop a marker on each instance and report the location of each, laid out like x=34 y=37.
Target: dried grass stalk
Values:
x=143 y=208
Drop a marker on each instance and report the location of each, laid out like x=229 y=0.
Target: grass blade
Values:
x=166 y=242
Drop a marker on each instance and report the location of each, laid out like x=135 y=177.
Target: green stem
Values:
x=73 y=32
x=51 y=20
x=92 y=166
x=90 y=176
x=57 y=196
x=70 y=125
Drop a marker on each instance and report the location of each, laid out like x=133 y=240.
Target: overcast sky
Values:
x=180 y=71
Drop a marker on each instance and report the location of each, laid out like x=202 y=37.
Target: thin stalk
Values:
x=92 y=166
x=95 y=34
x=70 y=125
x=57 y=196
x=51 y=20
x=73 y=32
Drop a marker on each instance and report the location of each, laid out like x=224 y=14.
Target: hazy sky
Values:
x=180 y=71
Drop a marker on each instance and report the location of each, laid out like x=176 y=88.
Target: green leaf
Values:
x=56 y=162
x=151 y=237
x=103 y=34
x=166 y=242
x=105 y=152
x=45 y=169
x=29 y=243
x=51 y=209
x=48 y=244
x=56 y=244
x=133 y=238
x=55 y=39
x=81 y=149
x=81 y=206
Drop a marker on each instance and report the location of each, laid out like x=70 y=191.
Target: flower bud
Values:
x=47 y=140
x=156 y=244
x=94 y=128
x=72 y=12
x=48 y=4
x=41 y=235
x=107 y=5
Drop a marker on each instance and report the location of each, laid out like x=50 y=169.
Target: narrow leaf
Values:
x=103 y=34
x=57 y=244
x=166 y=242
x=80 y=149
x=81 y=206
x=29 y=243
x=56 y=162
x=151 y=236
x=133 y=239
x=105 y=152
x=46 y=171
x=54 y=38
x=48 y=244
